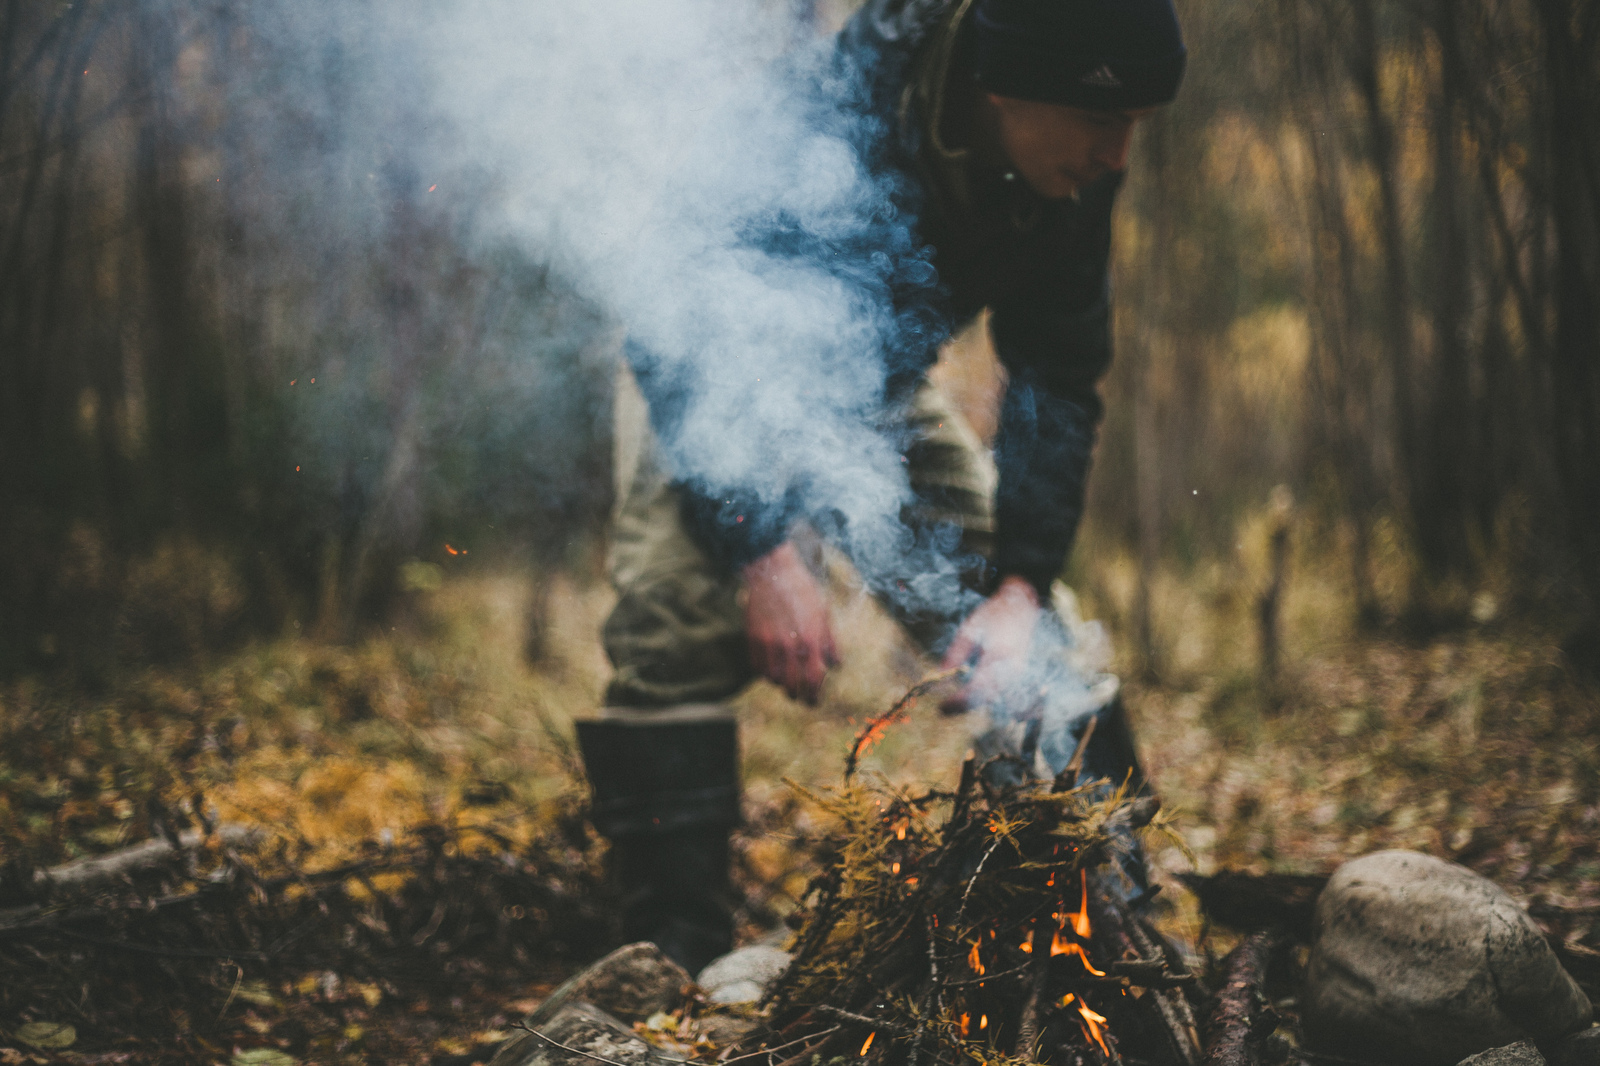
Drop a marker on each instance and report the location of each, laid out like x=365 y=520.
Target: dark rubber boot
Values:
x=677 y=893
x=666 y=796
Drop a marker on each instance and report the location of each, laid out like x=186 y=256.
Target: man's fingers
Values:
x=960 y=651
x=816 y=670
x=794 y=672
x=759 y=660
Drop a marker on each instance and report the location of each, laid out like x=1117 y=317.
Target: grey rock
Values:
x=1579 y=1049
x=632 y=983
x=743 y=976
x=1422 y=962
x=578 y=1034
x=1522 y=1053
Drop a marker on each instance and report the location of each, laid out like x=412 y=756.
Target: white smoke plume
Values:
x=633 y=145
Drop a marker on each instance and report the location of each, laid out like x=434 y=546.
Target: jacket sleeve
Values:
x=733 y=527
x=1053 y=334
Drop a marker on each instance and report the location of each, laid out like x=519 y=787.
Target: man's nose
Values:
x=1111 y=149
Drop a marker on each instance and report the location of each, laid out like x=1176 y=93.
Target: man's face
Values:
x=1059 y=150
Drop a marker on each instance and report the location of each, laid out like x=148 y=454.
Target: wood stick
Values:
x=1174 y=1005
x=87 y=873
x=1238 y=1022
x=1068 y=777
x=1257 y=902
x=1119 y=931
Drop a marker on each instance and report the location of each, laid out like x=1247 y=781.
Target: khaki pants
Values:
x=676 y=635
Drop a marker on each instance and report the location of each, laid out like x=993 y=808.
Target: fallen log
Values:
x=91 y=871
x=1242 y=1019
x=1253 y=903
x=83 y=877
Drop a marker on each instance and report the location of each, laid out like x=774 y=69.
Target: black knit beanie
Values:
x=1111 y=55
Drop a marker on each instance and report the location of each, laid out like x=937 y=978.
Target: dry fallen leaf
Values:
x=262 y=1056
x=51 y=1036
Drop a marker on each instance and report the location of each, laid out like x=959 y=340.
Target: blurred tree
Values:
x=235 y=325
x=1572 y=71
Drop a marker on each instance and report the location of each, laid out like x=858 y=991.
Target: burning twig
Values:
x=874 y=730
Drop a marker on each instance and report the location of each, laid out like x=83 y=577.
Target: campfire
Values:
x=1006 y=922
x=988 y=924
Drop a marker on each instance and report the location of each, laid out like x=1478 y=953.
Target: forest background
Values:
x=304 y=494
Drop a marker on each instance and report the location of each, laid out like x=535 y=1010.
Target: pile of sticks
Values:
x=988 y=925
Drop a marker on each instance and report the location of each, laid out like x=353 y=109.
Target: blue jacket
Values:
x=1040 y=266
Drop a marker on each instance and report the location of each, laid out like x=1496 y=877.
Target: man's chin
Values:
x=1056 y=186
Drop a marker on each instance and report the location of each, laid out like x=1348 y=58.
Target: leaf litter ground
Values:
x=425 y=878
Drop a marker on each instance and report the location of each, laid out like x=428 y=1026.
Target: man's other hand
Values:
x=786 y=618
x=998 y=635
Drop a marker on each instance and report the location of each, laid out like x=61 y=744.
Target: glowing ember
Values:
x=871 y=1035
x=874 y=731
x=894 y=869
x=966 y=1024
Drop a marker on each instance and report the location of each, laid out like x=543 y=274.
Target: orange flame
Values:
x=871 y=1035
x=983 y=1021
x=1090 y=1020
x=1060 y=946
x=1091 y=1023
x=966 y=1024
x=975 y=960
x=1078 y=921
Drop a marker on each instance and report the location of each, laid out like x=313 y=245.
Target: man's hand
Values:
x=998 y=635
x=786 y=618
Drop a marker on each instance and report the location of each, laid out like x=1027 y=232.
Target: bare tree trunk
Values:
x=1572 y=29
x=1340 y=374
x=1365 y=63
x=1146 y=426
x=1448 y=461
